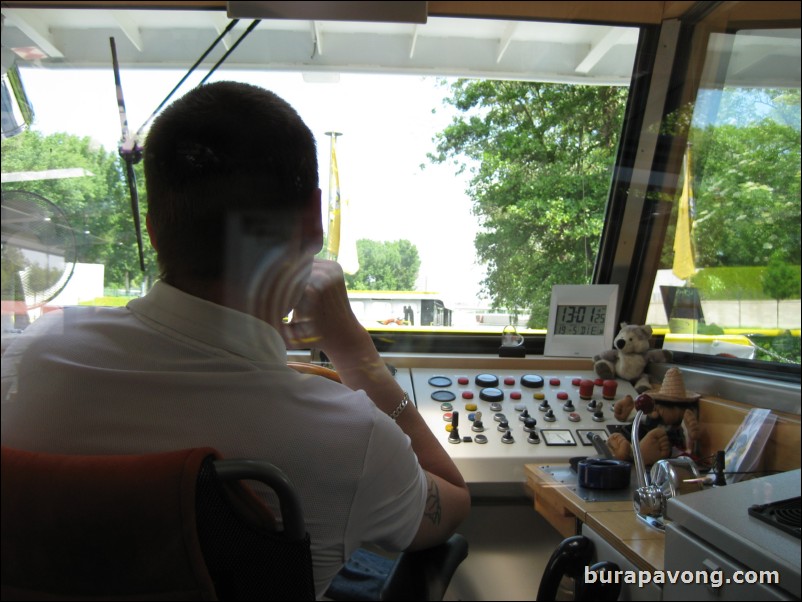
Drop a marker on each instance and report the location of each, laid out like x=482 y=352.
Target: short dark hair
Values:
x=223 y=149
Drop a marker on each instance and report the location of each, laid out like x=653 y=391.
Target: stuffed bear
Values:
x=671 y=429
x=630 y=356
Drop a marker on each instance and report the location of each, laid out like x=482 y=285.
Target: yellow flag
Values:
x=684 y=266
x=347 y=258
x=335 y=208
x=341 y=245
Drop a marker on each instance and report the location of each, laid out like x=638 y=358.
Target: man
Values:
x=234 y=215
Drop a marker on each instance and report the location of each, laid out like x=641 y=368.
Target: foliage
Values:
x=540 y=158
x=780 y=280
x=13 y=262
x=747 y=191
x=540 y=155
x=746 y=283
x=97 y=206
x=385 y=266
x=785 y=347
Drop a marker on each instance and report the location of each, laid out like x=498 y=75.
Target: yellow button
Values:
x=539 y=396
x=471 y=407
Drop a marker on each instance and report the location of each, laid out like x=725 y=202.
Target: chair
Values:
x=168 y=526
x=572 y=558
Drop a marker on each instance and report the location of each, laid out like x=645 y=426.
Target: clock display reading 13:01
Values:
x=580 y=320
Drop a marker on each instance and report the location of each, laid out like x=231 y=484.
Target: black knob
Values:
x=486 y=380
x=532 y=381
x=491 y=394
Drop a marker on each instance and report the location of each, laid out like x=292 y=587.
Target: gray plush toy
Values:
x=630 y=356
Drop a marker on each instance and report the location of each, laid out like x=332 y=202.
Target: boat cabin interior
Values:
x=536 y=158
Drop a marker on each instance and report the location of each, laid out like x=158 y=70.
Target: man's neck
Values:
x=228 y=295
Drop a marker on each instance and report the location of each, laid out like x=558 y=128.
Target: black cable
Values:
x=251 y=27
x=188 y=73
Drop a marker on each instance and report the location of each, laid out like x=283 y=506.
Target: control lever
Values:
x=600 y=445
x=648 y=500
x=453 y=436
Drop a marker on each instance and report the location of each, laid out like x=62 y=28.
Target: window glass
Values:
x=465 y=196
x=729 y=282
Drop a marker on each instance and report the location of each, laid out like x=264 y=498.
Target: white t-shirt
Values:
x=172 y=371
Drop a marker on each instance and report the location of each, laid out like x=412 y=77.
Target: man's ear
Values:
x=151 y=235
x=312 y=222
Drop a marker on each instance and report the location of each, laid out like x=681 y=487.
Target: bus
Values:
x=399 y=308
x=496 y=153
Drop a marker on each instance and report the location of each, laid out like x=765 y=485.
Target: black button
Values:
x=486 y=380
x=533 y=381
x=491 y=394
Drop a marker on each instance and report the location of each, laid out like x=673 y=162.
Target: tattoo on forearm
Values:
x=433 y=510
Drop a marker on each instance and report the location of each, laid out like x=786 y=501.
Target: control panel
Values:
x=493 y=423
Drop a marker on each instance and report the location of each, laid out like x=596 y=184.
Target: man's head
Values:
x=221 y=152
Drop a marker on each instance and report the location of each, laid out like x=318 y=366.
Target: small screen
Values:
x=585 y=320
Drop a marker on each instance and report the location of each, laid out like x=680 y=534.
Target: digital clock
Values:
x=581 y=319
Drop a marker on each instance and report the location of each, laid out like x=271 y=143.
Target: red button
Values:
x=467 y=395
x=598 y=382
x=576 y=381
x=562 y=395
x=463 y=380
x=515 y=395
x=586 y=389
x=554 y=382
x=509 y=380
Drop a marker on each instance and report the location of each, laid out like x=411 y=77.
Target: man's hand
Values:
x=323 y=317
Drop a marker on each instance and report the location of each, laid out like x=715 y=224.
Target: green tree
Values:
x=540 y=156
x=97 y=206
x=13 y=263
x=780 y=282
x=746 y=180
x=385 y=266
x=746 y=190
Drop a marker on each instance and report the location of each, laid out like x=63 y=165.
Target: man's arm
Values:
x=324 y=319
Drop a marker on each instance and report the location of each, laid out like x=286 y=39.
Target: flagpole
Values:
x=334 y=204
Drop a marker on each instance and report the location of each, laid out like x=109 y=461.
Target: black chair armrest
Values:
x=425 y=574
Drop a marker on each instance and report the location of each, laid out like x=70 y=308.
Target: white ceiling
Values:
x=557 y=52
x=442 y=46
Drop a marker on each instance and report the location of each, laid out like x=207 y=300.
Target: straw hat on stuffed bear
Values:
x=673 y=389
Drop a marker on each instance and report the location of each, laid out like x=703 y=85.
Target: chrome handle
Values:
x=647 y=499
